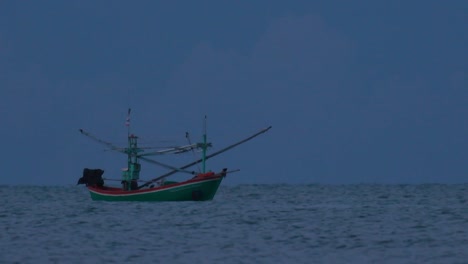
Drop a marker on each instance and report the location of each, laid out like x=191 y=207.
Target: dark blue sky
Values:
x=356 y=91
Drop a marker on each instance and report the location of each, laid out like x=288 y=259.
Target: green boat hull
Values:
x=192 y=190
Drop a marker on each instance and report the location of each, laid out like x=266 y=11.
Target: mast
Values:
x=204 y=147
x=131 y=175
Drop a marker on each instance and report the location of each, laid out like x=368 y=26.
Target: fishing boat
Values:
x=201 y=186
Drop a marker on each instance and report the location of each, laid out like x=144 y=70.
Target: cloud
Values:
x=295 y=56
x=331 y=111
x=336 y=117
x=295 y=48
x=292 y=77
x=458 y=80
x=5 y=47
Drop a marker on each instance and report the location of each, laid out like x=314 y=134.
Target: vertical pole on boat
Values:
x=129 y=171
x=193 y=150
x=204 y=147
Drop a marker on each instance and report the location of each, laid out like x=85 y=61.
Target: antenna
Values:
x=127 y=122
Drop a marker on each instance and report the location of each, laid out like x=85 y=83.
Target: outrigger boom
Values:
x=203 y=186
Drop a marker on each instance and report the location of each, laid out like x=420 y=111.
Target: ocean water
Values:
x=243 y=224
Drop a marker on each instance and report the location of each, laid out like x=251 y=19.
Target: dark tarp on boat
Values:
x=92 y=177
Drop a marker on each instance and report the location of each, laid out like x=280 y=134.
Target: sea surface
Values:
x=243 y=224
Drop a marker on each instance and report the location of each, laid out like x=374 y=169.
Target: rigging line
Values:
x=166 y=165
x=108 y=144
x=207 y=157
